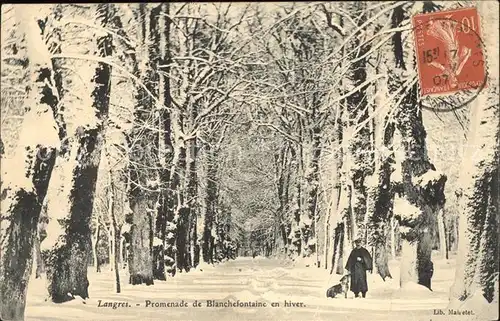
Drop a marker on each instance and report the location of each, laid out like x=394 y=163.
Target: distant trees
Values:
x=295 y=86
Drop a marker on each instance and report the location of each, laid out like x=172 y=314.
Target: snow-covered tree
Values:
x=23 y=191
x=477 y=263
x=419 y=186
x=67 y=244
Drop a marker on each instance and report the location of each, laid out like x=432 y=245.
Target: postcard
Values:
x=250 y=161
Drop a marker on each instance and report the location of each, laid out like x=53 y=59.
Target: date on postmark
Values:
x=449 y=51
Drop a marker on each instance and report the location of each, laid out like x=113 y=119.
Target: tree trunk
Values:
x=379 y=188
x=454 y=244
x=123 y=256
x=358 y=139
x=192 y=237
x=408 y=272
x=337 y=254
x=283 y=174
x=339 y=193
x=210 y=205
x=23 y=194
x=331 y=233
x=95 y=243
x=173 y=199
x=111 y=228
x=420 y=185
x=309 y=236
x=379 y=207
x=327 y=235
x=346 y=246
x=341 y=208
x=478 y=257
x=142 y=147
x=159 y=241
x=116 y=260
x=40 y=267
x=182 y=215
x=343 y=231
x=67 y=267
x=111 y=247
x=128 y=58
x=443 y=248
x=114 y=235
x=160 y=28
x=295 y=232
x=68 y=253
x=140 y=260
x=393 y=238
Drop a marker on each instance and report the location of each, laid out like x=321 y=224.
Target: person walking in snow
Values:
x=358 y=263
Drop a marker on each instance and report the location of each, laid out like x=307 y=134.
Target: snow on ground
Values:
x=247 y=279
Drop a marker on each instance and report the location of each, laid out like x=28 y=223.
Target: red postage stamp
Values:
x=449 y=51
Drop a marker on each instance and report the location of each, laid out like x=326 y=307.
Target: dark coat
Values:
x=358 y=263
x=425 y=275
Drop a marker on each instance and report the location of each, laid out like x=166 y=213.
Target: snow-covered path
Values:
x=246 y=279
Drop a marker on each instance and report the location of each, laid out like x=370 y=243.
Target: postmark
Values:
x=450 y=58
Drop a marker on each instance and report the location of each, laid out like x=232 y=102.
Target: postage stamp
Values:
x=449 y=52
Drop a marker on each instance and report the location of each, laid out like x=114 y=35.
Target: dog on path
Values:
x=339 y=288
